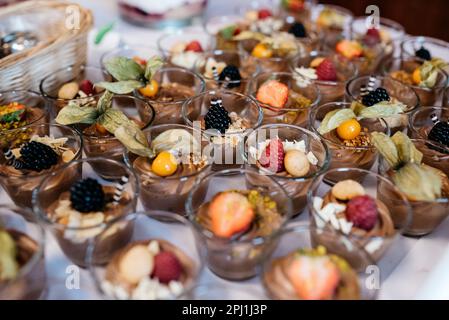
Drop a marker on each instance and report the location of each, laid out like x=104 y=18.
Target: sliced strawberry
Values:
x=194 y=46
x=273 y=93
x=87 y=87
x=264 y=13
x=350 y=49
x=326 y=71
x=231 y=213
x=166 y=267
x=273 y=156
x=314 y=278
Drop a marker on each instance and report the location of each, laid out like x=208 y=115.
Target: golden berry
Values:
x=350 y=129
x=165 y=164
x=262 y=51
x=150 y=90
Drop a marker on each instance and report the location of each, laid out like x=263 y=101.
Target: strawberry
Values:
x=194 y=46
x=273 y=156
x=231 y=213
x=293 y=5
x=87 y=87
x=166 y=267
x=314 y=278
x=372 y=37
x=264 y=13
x=273 y=93
x=326 y=71
x=362 y=212
x=350 y=49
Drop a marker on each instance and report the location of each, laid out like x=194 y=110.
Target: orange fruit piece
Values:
x=100 y=129
x=231 y=213
x=350 y=49
x=350 y=129
x=416 y=77
x=164 y=164
x=262 y=51
x=273 y=93
x=314 y=278
x=150 y=90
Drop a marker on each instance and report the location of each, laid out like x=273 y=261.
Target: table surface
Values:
x=413 y=268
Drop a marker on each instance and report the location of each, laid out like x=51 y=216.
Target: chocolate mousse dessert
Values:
x=17 y=250
x=347 y=207
x=81 y=213
x=311 y=274
x=168 y=175
x=237 y=216
x=332 y=22
x=426 y=187
x=148 y=270
x=26 y=160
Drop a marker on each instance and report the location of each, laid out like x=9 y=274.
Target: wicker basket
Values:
x=58 y=47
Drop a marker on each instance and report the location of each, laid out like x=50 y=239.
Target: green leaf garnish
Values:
x=152 y=66
x=386 y=147
x=381 y=110
x=121 y=87
x=122 y=69
x=102 y=33
x=73 y=113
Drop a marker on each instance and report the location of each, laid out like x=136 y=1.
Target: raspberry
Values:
x=326 y=71
x=273 y=156
x=166 y=267
x=87 y=87
x=372 y=37
x=194 y=46
x=264 y=13
x=362 y=212
x=374 y=97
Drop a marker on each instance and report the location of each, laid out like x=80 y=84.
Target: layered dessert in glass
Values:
x=76 y=204
x=425 y=77
x=226 y=118
x=73 y=84
x=20 y=108
x=22 y=266
x=150 y=264
x=291 y=155
x=181 y=156
x=371 y=212
x=305 y=267
x=410 y=166
x=236 y=221
x=328 y=71
x=300 y=10
x=347 y=137
x=385 y=96
x=32 y=152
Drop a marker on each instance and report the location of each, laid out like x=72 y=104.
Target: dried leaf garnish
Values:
x=122 y=69
x=9 y=267
x=407 y=151
x=386 y=147
x=334 y=119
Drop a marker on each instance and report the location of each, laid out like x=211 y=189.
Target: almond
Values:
x=296 y=163
x=136 y=264
x=347 y=189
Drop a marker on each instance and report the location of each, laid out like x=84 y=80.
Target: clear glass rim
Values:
x=27 y=268
x=82 y=68
x=128 y=163
x=40 y=212
x=326 y=161
x=388 y=23
x=176 y=33
x=229 y=172
x=343 y=105
x=320 y=180
x=423 y=39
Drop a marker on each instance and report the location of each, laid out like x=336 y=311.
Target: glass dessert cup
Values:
x=219 y=60
x=20 y=183
x=295 y=185
x=176 y=86
x=168 y=15
x=331 y=91
x=396 y=90
x=100 y=143
x=113 y=266
x=294 y=243
x=29 y=281
x=63 y=201
x=20 y=108
x=300 y=10
x=245 y=114
x=332 y=29
x=301 y=99
x=402 y=69
x=140 y=53
x=426 y=215
x=237 y=257
x=330 y=208
x=50 y=86
x=436 y=47
x=214 y=26
x=173 y=47
x=169 y=193
x=347 y=155
x=422 y=121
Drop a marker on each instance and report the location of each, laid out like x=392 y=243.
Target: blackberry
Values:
x=87 y=196
x=424 y=54
x=440 y=133
x=37 y=156
x=298 y=30
x=376 y=96
x=231 y=73
x=217 y=117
